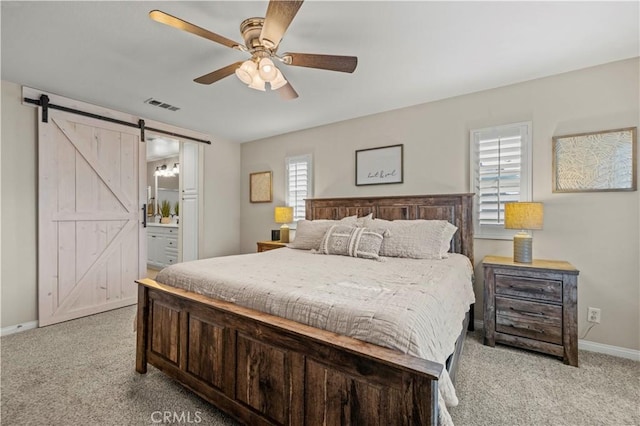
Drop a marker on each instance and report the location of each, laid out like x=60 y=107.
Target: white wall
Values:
x=220 y=195
x=19 y=208
x=597 y=232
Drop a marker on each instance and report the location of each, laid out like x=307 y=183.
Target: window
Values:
x=500 y=173
x=299 y=184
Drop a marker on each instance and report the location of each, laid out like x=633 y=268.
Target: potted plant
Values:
x=176 y=210
x=165 y=211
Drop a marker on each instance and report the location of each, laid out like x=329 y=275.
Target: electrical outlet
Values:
x=593 y=315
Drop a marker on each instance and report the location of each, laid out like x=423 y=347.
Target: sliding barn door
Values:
x=91 y=242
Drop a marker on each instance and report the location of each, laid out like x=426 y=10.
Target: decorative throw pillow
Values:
x=416 y=239
x=351 y=241
x=309 y=233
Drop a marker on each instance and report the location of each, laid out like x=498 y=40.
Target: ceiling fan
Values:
x=262 y=37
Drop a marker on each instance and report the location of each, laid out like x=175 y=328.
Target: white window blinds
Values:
x=299 y=184
x=500 y=173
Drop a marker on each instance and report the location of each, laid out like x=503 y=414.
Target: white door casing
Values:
x=92 y=246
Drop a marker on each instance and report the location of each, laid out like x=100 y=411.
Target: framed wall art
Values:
x=596 y=161
x=377 y=166
x=260 y=187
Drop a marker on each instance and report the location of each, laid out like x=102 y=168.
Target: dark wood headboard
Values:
x=456 y=208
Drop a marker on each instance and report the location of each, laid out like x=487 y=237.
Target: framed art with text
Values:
x=377 y=166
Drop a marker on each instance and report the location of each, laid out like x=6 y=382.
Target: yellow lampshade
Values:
x=283 y=214
x=523 y=215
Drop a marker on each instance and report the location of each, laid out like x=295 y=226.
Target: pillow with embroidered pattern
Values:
x=352 y=241
x=309 y=233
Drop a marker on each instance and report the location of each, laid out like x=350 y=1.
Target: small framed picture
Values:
x=260 y=187
x=377 y=166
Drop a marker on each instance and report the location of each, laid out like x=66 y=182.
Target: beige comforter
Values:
x=414 y=306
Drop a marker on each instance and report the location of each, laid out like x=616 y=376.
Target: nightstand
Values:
x=269 y=245
x=532 y=306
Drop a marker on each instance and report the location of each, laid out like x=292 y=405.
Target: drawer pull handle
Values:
x=538 y=314
x=527 y=328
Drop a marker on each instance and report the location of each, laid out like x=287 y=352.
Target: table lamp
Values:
x=523 y=216
x=284 y=215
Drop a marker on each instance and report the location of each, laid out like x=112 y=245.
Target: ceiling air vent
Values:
x=161 y=104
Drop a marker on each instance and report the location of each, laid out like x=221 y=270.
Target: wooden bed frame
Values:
x=266 y=370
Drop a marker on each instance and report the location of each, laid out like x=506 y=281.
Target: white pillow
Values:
x=351 y=241
x=309 y=233
x=448 y=233
x=363 y=220
x=416 y=239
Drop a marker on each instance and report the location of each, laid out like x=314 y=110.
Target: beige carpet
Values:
x=82 y=373
x=509 y=386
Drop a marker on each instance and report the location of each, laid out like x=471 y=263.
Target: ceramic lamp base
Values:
x=522 y=248
x=284 y=234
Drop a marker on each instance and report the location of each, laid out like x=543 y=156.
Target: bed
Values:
x=265 y=369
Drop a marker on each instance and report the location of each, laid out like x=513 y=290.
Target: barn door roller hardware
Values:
x=44 y=103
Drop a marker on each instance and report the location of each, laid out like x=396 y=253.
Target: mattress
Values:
x=415 y=306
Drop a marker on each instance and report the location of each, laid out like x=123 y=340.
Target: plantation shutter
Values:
x=500 y=174
x=298 y=184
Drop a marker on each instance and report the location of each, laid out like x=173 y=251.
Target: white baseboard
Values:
x=587 y=345
x=5 y=331
x=609 y=350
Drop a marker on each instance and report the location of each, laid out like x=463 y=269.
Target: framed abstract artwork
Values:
x=260 y=187
x=596 y=161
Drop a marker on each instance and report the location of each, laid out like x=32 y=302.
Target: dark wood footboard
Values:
x=266 y=370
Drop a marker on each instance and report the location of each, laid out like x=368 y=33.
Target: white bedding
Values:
x=415 y=306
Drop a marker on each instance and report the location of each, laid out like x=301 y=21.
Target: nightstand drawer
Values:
x=533 y=320
x=530 y=288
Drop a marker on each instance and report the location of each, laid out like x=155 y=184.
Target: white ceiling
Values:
x=112 y=54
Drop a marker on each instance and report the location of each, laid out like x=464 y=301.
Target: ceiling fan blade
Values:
x=287 y=92
x=212 y=77
x=280 y=13
x=325 y=62
x=172 y=21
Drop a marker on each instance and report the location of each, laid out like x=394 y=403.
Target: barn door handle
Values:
x=144 y=215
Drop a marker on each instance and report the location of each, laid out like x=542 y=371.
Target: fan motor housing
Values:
x=251 y=29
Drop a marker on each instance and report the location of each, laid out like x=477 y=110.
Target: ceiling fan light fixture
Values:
x=278 y=82
x=267 y=70
x=247 y=71
x=257 y=83
x=262 y=37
